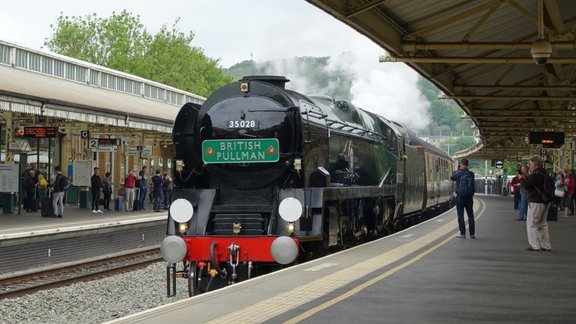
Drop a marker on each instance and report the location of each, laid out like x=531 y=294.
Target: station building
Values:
x=56 y=110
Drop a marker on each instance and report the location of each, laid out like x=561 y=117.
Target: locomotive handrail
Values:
x=331 y=122
x=318 y=115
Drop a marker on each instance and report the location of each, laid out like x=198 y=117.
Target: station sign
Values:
x=146 y=151
x=104 y=144
x=547 y=139
x=108 y=141
x=19 y=146
x=133 y=149
x=241 y=151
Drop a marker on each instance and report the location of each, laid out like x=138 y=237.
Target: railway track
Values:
x=61 y=276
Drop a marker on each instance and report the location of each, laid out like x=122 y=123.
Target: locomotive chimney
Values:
x=275 y=80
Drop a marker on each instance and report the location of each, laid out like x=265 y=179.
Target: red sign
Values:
x=40 y=132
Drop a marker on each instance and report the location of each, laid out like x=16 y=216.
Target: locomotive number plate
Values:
x=259 y=150
x=242 y=124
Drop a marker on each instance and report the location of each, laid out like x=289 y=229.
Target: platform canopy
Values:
x=479 y=54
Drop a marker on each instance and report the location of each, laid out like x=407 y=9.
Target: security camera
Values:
x=541 y=51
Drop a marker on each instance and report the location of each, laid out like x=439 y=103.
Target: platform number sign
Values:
x=93 y=144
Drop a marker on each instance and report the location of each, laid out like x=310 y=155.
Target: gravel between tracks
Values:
x=94 y=301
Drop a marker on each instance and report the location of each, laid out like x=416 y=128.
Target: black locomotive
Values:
x=268 y=176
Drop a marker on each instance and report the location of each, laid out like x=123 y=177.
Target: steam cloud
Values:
x=388 y=89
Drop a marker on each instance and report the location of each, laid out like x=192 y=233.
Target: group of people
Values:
x=34 y=180
x=564 y=184
x=529 y=185
x=161 y=190
x=100 y=185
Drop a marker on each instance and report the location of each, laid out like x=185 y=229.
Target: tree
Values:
x=122 y=43
x=445 y=114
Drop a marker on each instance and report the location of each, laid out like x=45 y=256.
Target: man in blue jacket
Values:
x=464 y=179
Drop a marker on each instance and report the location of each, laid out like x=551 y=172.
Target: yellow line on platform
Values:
x=270 y=308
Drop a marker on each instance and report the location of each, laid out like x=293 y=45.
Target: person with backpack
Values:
x=536 y=189
x=61 y=183
x=465 y=190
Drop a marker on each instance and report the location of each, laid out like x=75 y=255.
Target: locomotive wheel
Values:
x=193 y=279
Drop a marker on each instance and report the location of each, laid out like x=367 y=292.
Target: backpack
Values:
x=547 y=194
x=63 y=182
x=466 y=187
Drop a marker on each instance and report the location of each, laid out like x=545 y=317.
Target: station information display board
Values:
x=9 y=177
x=40 y=132
x=82 y=173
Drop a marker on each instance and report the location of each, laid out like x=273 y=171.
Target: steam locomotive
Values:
x=266 y=177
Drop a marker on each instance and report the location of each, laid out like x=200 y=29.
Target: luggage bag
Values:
x=552 y=212
x=31 y=204
x=47 y=209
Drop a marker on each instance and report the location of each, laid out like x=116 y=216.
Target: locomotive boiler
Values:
x=266 y=177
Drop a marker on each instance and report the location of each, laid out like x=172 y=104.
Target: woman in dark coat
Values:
x=29 y=186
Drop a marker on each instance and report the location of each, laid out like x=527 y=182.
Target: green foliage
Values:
x=445 y=114
x=457 y=144
x=122 y=43
x=245 y=68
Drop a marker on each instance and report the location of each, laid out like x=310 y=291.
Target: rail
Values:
x=19 y=285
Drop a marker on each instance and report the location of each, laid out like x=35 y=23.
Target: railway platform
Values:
x=29 y=242
x=424 y=274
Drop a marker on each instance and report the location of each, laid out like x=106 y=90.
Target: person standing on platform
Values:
x=29 y=186
x=515 y=184
x=465 y=189
x=523 y=206
x=157 y=190
x=143 y=177
x=129 y=183
x=107 y=190
x=96 y=187
x=167 y=186
x=536 y=224
x=58 y=195
x=568 y=202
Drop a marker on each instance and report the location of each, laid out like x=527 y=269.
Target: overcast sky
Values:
x=234 y=31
